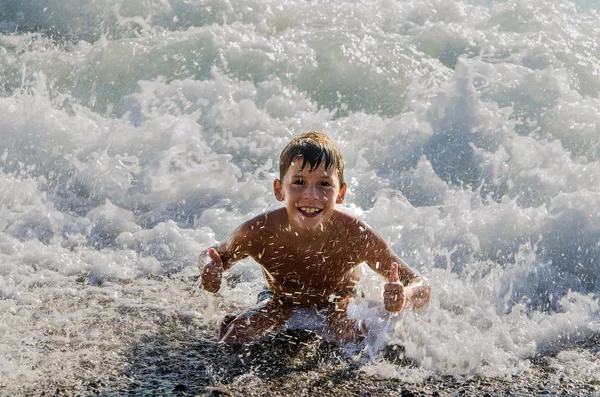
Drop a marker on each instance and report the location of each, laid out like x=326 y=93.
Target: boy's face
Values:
x=309 y=195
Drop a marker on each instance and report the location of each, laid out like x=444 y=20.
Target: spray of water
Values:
x=137 y=133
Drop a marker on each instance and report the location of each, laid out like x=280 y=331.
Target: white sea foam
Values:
x=137 y=133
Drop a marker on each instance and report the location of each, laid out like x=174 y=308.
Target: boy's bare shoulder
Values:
x=264 y=223
x=351 y=225
x=249 y=237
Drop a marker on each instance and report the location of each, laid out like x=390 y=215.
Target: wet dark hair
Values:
x=314 y=147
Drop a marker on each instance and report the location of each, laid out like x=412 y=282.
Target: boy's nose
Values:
x=311 y=193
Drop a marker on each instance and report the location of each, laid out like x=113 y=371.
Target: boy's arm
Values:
x=222 y=257
x=404 y=288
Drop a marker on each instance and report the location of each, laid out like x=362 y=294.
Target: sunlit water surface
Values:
x=135 y=133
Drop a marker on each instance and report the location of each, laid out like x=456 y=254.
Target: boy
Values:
x=309 y=251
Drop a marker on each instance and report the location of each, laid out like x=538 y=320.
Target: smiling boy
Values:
x=309 y=251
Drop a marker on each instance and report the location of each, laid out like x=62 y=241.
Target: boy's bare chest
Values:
x=312 y=258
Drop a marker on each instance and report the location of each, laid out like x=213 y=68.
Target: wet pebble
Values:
x=180 y=388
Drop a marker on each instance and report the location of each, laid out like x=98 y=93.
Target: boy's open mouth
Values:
x=309 y=211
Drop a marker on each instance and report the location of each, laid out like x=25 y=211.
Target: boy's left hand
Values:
x=393 y=291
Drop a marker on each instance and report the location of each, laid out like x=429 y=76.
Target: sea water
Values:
x=136 y=133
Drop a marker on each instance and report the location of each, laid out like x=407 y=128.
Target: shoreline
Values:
x=294 y=363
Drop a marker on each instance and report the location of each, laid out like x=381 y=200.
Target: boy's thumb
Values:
x=215 y=257
x=393 y=276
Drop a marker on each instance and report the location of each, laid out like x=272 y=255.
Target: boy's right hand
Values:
x=393 y=291
x=213 y=271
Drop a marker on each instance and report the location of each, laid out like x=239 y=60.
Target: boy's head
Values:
x=311 y=169
x=313 y=147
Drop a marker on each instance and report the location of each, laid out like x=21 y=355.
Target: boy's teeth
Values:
x=309 y=210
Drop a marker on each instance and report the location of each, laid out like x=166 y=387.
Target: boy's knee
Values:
x=255 y=324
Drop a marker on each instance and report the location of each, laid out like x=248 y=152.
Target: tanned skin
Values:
x=310 y=252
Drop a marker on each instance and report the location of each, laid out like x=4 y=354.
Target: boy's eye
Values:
x=325 y=183
x=298 y=182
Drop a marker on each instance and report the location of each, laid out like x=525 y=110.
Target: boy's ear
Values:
x=341 y=194
x=278 y=190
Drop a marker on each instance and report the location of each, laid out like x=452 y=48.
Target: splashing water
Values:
x=136 y=133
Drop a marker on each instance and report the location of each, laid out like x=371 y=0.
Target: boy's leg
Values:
x=345 y=329
x=225 y=323
x=257 y=323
